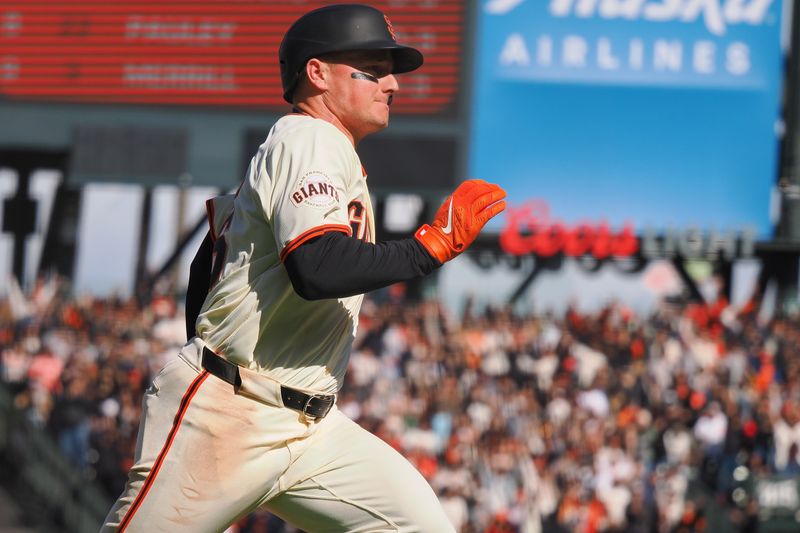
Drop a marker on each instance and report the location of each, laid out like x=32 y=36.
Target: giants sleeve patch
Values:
x=316 y=190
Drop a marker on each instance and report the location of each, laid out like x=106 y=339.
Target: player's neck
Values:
x=317 y=109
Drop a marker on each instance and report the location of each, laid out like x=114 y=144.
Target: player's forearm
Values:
x=336 y=266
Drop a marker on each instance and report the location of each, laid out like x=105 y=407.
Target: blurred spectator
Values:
x=710 y=430
x=787 y=439
x=69 y=420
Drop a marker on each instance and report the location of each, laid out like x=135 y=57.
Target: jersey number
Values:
x=357 y=213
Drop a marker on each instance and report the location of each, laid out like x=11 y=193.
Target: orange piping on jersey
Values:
x=210 y=216
x=148 y=482
x=310 y=234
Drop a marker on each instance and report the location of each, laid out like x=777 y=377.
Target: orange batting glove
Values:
x=461 y=218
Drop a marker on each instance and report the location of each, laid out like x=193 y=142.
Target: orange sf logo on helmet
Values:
x=390 y=27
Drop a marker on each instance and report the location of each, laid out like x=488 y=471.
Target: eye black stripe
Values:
x=363 y=76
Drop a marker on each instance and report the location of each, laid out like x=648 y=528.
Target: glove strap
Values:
x=436 y=243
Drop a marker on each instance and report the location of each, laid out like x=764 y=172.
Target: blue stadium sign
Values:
x=651 y=113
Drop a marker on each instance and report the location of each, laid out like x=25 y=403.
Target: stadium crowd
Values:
x=585 y=422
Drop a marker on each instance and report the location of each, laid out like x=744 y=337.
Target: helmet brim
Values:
x=404 y=58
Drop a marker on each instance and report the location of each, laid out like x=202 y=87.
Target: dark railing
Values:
x=52 y=492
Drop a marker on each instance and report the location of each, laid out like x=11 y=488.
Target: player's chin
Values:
x=381 y=120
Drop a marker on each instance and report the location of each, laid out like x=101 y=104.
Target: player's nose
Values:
x=390 y=84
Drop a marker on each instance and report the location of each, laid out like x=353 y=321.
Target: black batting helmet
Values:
x=340 y=28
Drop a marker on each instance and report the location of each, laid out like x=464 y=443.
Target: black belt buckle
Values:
x=312 y=406
x=327 y=402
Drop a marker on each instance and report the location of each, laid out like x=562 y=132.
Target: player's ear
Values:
x=317 y=73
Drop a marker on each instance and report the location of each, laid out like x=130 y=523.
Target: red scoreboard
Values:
x=221 y=53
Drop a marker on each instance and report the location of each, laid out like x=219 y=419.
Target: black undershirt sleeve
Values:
x=199 y=283
x=335 y=265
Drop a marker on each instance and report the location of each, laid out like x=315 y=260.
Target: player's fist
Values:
x=461 y=218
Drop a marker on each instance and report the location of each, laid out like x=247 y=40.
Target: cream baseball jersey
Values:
x=305 y=180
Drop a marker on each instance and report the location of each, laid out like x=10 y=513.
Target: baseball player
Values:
x=246 y=415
